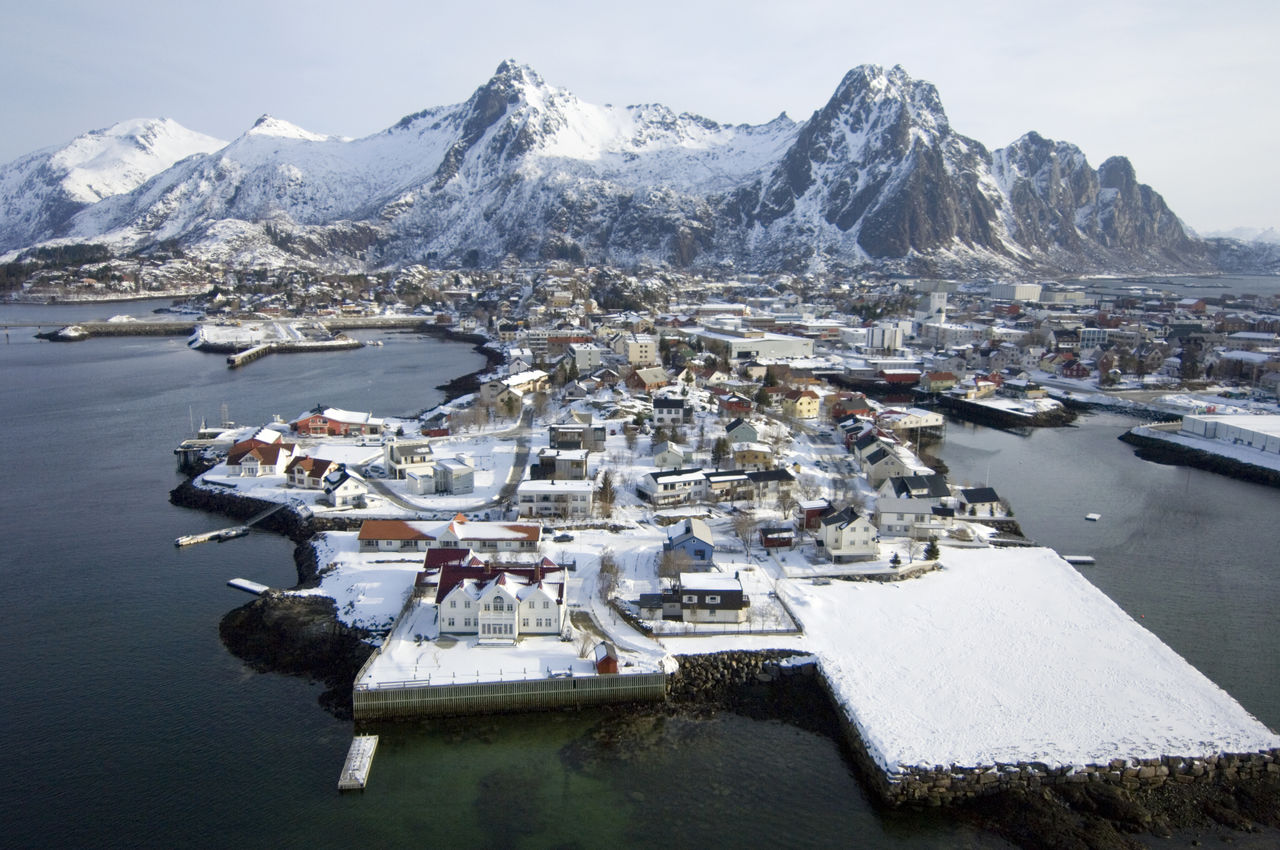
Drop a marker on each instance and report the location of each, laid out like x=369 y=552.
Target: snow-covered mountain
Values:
x=877 y=177
x=41 y=191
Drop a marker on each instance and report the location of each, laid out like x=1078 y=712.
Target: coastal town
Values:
x=623 y=488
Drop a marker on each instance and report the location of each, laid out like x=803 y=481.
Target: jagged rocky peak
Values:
x=867 y=87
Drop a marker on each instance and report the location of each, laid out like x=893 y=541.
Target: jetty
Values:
x=355 y=771
x=223 y=534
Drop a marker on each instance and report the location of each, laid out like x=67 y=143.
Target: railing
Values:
x=421 y=699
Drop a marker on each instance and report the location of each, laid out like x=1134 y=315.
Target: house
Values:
x=391 y=535
x=671 y=411
x=502 y=602
x=308 y=472
x=648 y=379
x=778 y=537
x=400 y=457
x=734 y=404
x=253 y=458
x=801 y=404
x=918 y=519
x=728 y=486
x=937 y=382
x=742 y=431
x=323 y=421
x=771 y=484
x=454 y=476
x=928 y=488
x=560 y=465
x=566 y=499
x=845 y=536
x=344 y=488
x=711 y=598
x=882 y=463
x=844 y=404
x=693 y=538
x=577 y=435
x=752 y=456
x=671 y=455
x=575 y=391
x=672 y=487
x=811 y=511
x=980 y=501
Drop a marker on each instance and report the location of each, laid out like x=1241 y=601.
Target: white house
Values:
x=555 y=498
x=669 y=455
x=673 y=487
x=847 y=536
x=712 y=598
x=343 y=488
x=501 y=603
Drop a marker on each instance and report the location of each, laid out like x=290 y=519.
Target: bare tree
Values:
x=744 y=527
x=673 y=562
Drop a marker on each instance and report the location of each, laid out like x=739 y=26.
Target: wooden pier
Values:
x=220 y=535
x=355 y=772
x=229 y=533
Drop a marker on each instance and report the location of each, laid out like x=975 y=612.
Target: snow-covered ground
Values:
x=369 y=588
x=1005 y=656
x=1244 y=454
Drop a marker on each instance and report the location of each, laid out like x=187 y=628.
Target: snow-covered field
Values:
x=1005 y=656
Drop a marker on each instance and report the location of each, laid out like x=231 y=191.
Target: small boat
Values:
x=1093 y=517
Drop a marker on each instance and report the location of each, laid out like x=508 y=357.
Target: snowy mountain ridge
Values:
x=876 y=178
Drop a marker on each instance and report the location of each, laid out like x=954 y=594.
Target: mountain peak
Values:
x=267 y=125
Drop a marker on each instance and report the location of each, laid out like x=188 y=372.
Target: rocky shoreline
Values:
x=1172 y=454
x=469 y=383
x=303 y=636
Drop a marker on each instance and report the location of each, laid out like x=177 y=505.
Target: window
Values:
x=510 y=607
x=690 y=599
x=546 y=604
x=524 y=623
x=451 y=621
x=713 y=600
x=486 y=606
x=466 y=603
x=453 y=603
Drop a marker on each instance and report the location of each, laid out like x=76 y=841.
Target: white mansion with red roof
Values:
x=501 y=602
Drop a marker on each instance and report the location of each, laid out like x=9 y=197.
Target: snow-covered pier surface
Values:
x=1008 y=658
x=355 y=770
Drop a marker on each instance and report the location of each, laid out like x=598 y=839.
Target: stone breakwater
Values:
x=286 y=522
x=1162 y=451
x=947 y=785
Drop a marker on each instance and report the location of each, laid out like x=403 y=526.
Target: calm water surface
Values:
x=128 y=724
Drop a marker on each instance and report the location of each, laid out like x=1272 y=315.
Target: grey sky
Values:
x=1187 y=90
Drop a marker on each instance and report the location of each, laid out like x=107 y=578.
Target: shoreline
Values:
x=302 y=636
x=1172 y=454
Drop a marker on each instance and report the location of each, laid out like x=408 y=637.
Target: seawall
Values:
x=1166 y=452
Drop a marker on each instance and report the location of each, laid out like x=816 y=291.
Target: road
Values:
x=521 y=431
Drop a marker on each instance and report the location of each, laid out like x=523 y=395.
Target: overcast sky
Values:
x=1187 y=90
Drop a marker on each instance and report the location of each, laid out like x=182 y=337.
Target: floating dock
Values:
x=248 y=586
x=1079 y=560
x=1093 y=517
x=355 y=773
